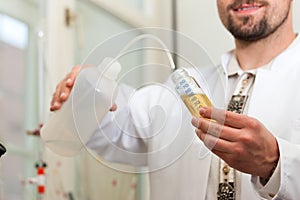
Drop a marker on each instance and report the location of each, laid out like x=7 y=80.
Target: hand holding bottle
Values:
x=64 y=88
x=80 y=106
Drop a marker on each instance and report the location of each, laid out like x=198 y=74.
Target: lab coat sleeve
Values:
x=268 y=190
x=146 y=125
x=288 y=169
x=117 y=139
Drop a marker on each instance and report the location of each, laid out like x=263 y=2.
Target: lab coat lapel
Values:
x=270 y=96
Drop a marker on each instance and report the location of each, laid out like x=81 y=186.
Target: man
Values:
x=256 y=152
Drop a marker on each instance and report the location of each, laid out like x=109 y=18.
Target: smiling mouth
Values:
x=247 y=7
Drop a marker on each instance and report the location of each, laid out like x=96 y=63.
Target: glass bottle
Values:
x=190 y=92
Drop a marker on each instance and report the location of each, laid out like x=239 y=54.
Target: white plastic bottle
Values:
x=93 y=94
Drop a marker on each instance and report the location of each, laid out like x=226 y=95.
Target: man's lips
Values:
x=247 y=8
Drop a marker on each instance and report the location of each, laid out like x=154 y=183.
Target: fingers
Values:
x=63 y=89
x=55 y=102
x=215 y=143
x=224 y=117
x=71 y=77
x=207 y=126
x=214 y=129
x=113 y=108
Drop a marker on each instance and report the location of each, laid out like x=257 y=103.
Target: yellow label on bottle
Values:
x=195 y=102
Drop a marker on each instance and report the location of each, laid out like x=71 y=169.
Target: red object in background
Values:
x=35 y=132
x=40 y=179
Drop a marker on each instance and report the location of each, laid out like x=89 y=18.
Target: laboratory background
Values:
x=40 y=42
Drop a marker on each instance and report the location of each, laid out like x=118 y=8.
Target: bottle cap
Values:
x=179 y=74
x=111 y=68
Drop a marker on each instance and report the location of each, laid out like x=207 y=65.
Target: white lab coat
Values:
x=178 y=159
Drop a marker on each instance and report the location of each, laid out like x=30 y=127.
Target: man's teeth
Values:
x=247 y=8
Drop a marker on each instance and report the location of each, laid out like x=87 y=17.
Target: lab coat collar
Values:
x=225 y=59
x=235 y=69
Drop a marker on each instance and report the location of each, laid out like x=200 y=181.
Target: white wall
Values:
x=297 y=15
x=199 y=19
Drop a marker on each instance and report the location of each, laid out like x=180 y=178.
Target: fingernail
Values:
x=69 y=81
x=56 y=104
x=195 y=121
x=202 y=110
x=62 y=95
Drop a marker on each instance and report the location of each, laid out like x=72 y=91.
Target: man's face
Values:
x=252 y=20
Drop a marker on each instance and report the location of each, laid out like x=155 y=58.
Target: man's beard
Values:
x=258 y=31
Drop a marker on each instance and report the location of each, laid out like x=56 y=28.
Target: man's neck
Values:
x=252 y=55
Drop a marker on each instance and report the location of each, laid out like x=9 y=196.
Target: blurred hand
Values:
x=241 y=141
x=63 y=90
